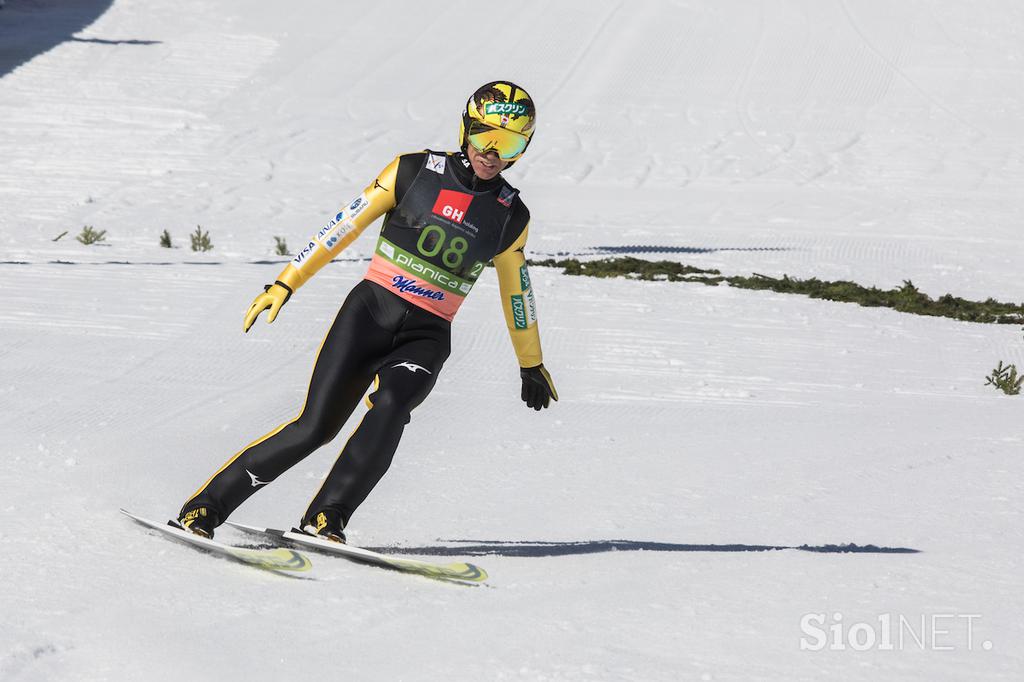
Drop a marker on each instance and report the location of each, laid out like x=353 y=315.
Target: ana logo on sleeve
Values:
x=452 y=205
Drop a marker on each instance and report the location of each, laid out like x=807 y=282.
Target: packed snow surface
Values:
x=876 y=142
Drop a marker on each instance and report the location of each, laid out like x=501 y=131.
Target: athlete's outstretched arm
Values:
x=521 y=318
x=377 y=199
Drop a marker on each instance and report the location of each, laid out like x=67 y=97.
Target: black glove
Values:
x=538 y=389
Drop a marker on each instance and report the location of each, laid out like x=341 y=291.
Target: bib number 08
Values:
x=452 y=256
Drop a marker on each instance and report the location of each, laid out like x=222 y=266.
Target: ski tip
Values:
x=470 y=573
x=132 y=515
x=290 y=560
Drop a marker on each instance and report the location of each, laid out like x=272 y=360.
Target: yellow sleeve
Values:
x=518 y=302
x=377 y=199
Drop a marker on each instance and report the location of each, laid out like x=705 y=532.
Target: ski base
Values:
x=279 y=559
x=455 y=571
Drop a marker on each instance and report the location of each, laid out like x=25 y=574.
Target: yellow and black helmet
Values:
x=501 y=117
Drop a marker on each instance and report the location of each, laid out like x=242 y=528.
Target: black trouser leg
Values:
x=405 y=379
x=343 y=370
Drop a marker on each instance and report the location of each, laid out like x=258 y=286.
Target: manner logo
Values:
x=452 y=205
x=408 y=285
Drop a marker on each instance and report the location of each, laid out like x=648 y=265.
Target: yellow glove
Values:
x=274 y=296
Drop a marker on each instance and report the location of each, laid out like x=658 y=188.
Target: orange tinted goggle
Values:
x=484 y=138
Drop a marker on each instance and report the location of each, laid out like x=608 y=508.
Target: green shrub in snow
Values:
x=90 y=236
x=201 y=240
x=1005 y=379
x=906 y=298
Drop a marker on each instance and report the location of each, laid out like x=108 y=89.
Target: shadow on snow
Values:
x=647 y=248
x=101 y=41
x=640 y=248
x=550 y=549
x=30 y=28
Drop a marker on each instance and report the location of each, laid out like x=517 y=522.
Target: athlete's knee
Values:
x=394 y=401
x=312 y=433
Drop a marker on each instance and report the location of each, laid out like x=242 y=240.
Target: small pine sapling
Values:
x=201 y=240
x=1005 y=379
x=90 y=236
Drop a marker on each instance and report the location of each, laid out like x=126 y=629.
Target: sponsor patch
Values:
x=426 y=270
x=326 y=229
x=531 y=309
x=524 y=277
x=332 y=233
x=518 y=312
x=513 y=108
x=436 y=163
x=452 y=205
x=408 y=285
x=339 y=231
x=412 y=367
x=358 y=205
x=506 y=196
x=414 y=265
x=303 y=256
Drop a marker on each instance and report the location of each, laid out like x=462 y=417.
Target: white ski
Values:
x=279 y=559
x=454 y=571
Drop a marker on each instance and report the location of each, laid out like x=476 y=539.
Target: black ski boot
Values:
x=327 y=525
x=199 y=520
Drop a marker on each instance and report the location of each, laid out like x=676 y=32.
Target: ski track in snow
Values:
x=835 y=140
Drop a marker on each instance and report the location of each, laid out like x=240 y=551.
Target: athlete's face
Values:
x=486 y=166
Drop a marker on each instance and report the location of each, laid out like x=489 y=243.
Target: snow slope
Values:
x=860 y=140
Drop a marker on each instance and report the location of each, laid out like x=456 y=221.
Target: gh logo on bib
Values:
x=452 y=205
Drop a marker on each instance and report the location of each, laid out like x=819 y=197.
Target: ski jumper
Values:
x=442 y=226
